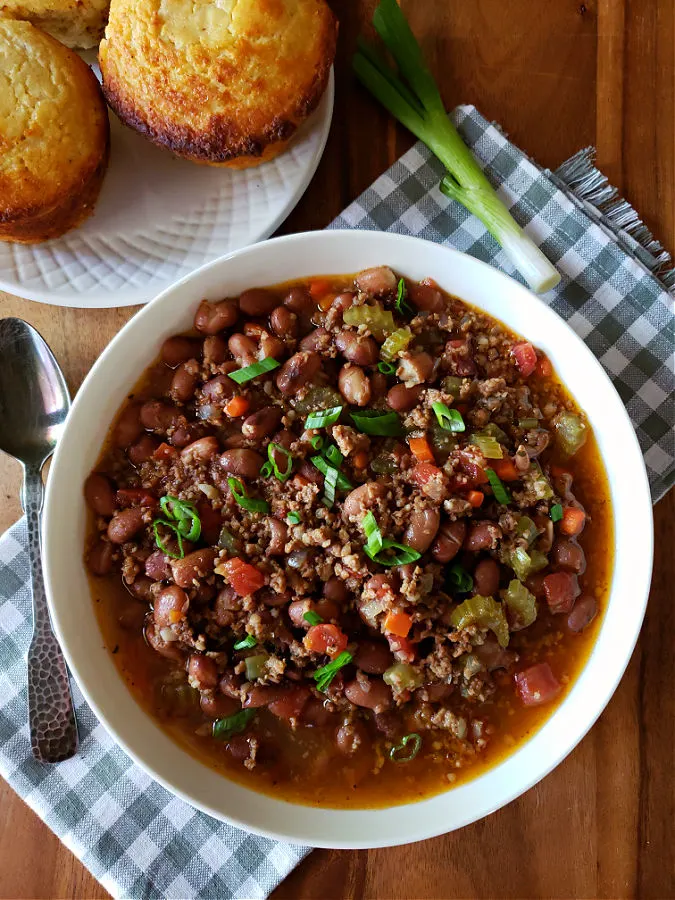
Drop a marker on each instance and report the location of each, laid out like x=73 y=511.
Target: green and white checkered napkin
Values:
x=138 y=839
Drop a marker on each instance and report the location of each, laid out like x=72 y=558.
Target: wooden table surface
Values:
x=558 y=75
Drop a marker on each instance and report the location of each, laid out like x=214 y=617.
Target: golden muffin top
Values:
x=53 y=122
x=217 y=78
x=77 y=23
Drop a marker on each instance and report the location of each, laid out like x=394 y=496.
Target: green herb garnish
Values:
x=379 y=548
x=460 y=579
x=246 y=643
x=448 y=419
x=322 y=418
x=323 y=466
x=556 y=512
x=378 y=423
x=386 y=368
x=498 y=489
x=293 y=518
x=397 y=754
x=312 y=617
x=249 y=503
x=234 y=724
x=282 y=476
x=327 y=673
x=252 y=371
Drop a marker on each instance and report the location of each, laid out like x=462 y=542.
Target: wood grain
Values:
x=558 y=75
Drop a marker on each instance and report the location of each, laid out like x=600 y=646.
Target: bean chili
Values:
x=350 y=539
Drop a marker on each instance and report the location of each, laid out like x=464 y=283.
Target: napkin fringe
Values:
x=589 y=185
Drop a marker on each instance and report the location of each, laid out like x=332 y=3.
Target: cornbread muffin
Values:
x=223 y=83
x=54 y=135
x=76 y=23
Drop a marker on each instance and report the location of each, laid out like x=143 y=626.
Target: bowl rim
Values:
x=432 y=826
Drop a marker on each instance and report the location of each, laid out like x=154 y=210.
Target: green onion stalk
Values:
x=412 y=96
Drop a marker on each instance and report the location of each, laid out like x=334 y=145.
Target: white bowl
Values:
x=104 y=391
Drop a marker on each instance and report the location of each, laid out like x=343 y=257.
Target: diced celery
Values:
x=527 y=529
x=524 y=563
x=395 y=343
x=521 y=604
x=496 y=432
x=402 y=677
x=318 y=398
x=540 y=483
x=571 y=432
x=379 y=321
x=485 y=612
x=442 y=440
x=528 y=423
x=255 y=665
x=488 y=445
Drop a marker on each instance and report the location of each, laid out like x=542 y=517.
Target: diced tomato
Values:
x=398 y=623
x=525 y=357
x=423 y=472
x=211 y=521
x=468 y=467
x=422 y=450
x=236 y=407
x=537 y=685
x=291 y=703
x=165 y=451
x=401 y=647
x=544 y=368
x=561 y=589
x=243 y=578
x=475 y=498
x=326 y=638
x=505 y=469
x=126 y=497
x=573 y=521
x=360 y=460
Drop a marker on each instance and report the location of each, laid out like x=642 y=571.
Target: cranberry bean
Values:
x=296 y=612
x=388 y=723
x=184 y=382
x=157 y=566
x=299 y=301
x=178 y=349
x=215 y=350
x=140 y=588
x=358 y=502
x=449 y=541
x=270 y=597
x=583 y=614
x=376 y=695
x=357 y=349
x=318 y=340
x=261 y=695
x=422 y=528
x=239 y=746
x=438 y=691
x=201 y=450
x=143 y=449
x=297 y=371
x=194 y=566
x=285 y=438
x=243 y=349
x=376 y=281
x=426 y=296
x=336 y=590
x=211 y=318
x=202 y=671
x=351 y=737
x=158 y=416
x=125 y=524
x=291 y=703
x=219 y=389
x=278 y=537
x=373 y=657
x=315 y=713
x=170 y=606
x=354 y=385
x=217 y=706
x=341 y=304
x=535 y=584
x=283 y=322
x=257 y=302
x=128 y=427
x=378 y=383
x=100 y=494
x=415 y=369
x=486 y=577
x=310 y=473
x=242 y=463
x=261 y=423
x=169 y=649
x=483 y=536
x=569 y=555
x=402 y=398
x=230 y=684
x=100 y=559
x=271 y=347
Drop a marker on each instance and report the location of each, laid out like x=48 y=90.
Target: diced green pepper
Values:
x=485 y=612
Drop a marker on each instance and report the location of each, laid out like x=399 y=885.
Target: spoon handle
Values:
x=53 y=728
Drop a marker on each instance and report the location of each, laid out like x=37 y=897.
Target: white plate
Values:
x=159 y=217
x=72 y=610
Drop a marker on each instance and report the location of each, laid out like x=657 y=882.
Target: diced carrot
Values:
x=398 y=623
x=318 y=289
x=573 y=521
x=420 y=447
x=326 y=301
x=361 y=460
x=244 y=578
x=165 y=451
x=475 y=498
x=237 y=406
x=505 y=469
x=543 y=368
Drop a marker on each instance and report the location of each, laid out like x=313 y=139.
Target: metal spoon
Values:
x=34 y=402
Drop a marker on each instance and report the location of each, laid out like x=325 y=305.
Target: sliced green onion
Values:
x=249 y=372
x=556 y=512
x=401 y=295
x=386 y=368
x=317 y=442
x=333 y=455
x=528 y=423
x=460 y=579
x=282 y=476
x=323 y=466
x=384 y=556
x=488 y=445
x=185 y=516
x=293 y=518
x=501 y=494
x=323 y=417
x=329 y=485
x=327 y=673
x=312 y=617
x=395 y=343
x=448 y=419
x=159 y=542
x=412 y=96
x=378 y=423
x=397 y=754
x=371 y=529
x=234 y=724
x=249 y=503
x=266 y=469
x=246 y=643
